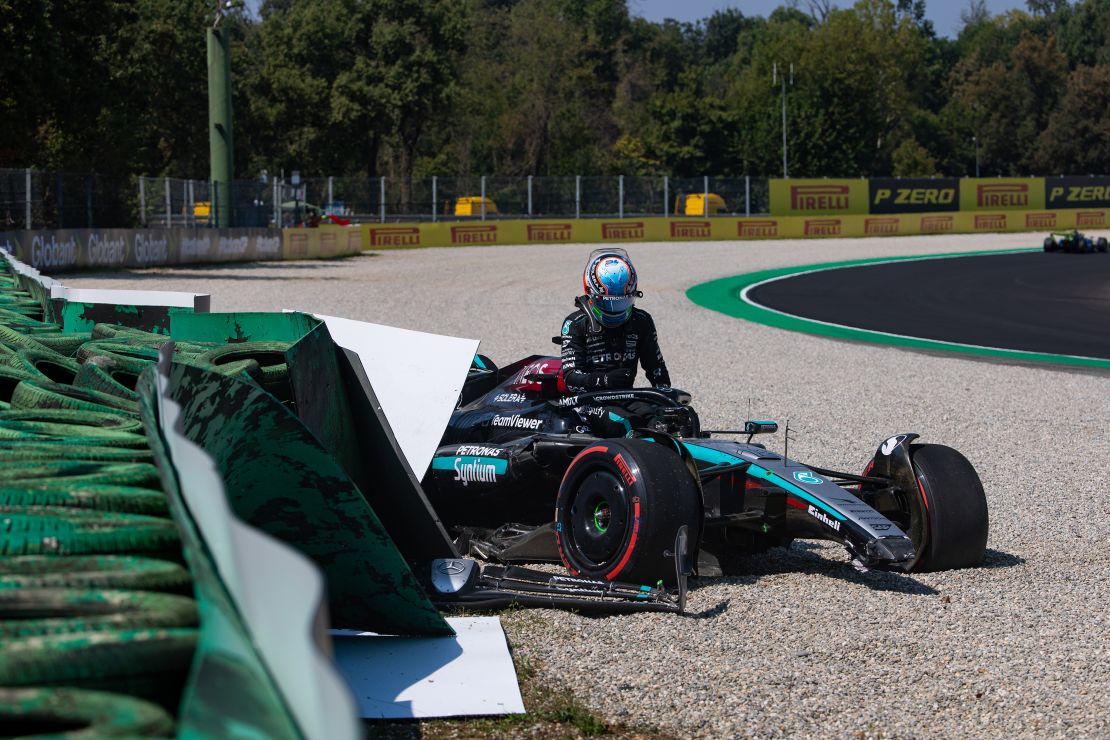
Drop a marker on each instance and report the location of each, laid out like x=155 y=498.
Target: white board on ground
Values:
x=468 y=674
x=417 y=377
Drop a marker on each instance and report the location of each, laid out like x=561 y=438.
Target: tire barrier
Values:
x=149 y=663
x=123 y=499
x=93 y=593
x=53 y=611
x=270 y=356
x=84 y=423
x=18 y=340
x=41 y=712
x=64 y=344
x=79 y=472
x=42 y=394
x=45 y=431
x=46 y=530
x=94 y=378
x=48 y=452
x=93 y=571
x=48 y=364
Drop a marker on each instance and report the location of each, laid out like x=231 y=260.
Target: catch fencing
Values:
x=33 y=199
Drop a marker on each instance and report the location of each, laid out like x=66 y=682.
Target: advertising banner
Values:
x=78 y=249
x=1002 y=194
x=324 y=242
x=1077 y=192
x=913 y=194
x=818 y=197
x=657 y=229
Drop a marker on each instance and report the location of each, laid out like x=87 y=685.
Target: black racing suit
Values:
x=598 y=358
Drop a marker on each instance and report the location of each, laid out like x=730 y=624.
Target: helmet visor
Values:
x=614 y=305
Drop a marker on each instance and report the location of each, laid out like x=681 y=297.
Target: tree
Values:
x=1076 y=139
x=1010 y=101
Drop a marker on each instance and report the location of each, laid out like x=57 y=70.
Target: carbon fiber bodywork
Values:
x=514 y=435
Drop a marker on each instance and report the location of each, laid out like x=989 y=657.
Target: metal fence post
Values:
x=666 y=196
x=483 y=197
x=27 y=185
x=578 y=196
x=169 y=207
x=435 y=199
x=747 y=195
x=142 y=200
x=382 y=201
x=620 y=188
x=529 y=195
x=190 y=203
x=705 y=199
x=331 y=196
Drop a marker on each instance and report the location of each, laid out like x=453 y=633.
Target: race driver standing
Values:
x=605 y=338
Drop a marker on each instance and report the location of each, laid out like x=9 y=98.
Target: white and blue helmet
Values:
x=610 y=284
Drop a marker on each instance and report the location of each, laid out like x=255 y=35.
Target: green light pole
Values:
x=221 y=146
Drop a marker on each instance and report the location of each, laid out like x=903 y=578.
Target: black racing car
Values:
x=603 y=481
x=1073 y=241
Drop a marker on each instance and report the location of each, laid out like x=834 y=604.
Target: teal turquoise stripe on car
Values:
x=759 y=472
x=622 y=421
x=711 y=456
x=450 y=463
x=727 y=296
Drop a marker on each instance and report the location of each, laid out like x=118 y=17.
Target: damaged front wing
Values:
x=461 y=582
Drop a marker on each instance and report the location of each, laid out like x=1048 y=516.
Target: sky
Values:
x=945 y=14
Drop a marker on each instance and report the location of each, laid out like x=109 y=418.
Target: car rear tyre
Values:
x=619 y=508
x=947 y=516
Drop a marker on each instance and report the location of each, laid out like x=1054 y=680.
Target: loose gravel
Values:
x=800 y=644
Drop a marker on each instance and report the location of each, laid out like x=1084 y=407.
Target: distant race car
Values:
x=617 y=484
x=1073 y=241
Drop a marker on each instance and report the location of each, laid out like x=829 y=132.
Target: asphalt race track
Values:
x=1031 y=301
x=797 y=644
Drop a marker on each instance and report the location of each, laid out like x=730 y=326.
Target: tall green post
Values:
x=220 y=140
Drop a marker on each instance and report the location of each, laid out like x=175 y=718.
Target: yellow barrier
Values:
x=1002 y=194
x=590 y=231
x=819 y=197
x=323 y=242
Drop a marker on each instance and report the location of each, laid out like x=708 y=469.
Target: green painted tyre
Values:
x=64 y=344
x=124 y=499
x=110 y=421
x=112 y=356
x=79 y=472
x=48 y=431
x=48 y=364
x=245 y=369
x=15 y=339
x=269 y=355
x=74 y=713
x=96 y=378
x=49 y=451
x=41 y=394
x=11 y=377
x=46 y=530
x=149 y=663
x=94 y=571
x=53 y=611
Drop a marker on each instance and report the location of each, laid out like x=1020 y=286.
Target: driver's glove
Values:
x=619 y=378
